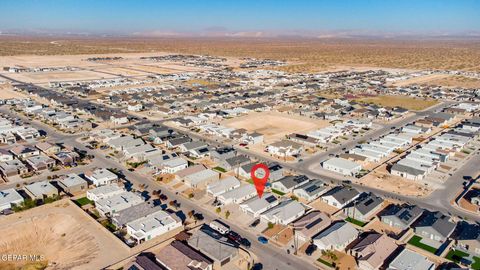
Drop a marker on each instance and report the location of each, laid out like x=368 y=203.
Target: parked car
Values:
x=244 y=242
x=255 y=223
x=234 y=236
x=198 y=216
x=262 y=240
x=310 y=249
x=257 y=266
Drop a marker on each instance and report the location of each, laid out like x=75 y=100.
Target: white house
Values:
x=152 y=225
x=105 y=191
x=101 y=176
x=339 y=197
x=115 y=203
x=284 y=213
x=201 y=178
x=238 y=195
x=285 y=148
x=8 y=198
x=174 y=165
x=342 y=166
x=336 y=237
x=311 y=190
x=217 y=188
x=255 y=206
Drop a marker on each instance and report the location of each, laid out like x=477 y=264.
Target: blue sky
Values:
x=128 y=16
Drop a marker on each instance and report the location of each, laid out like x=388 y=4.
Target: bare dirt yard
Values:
x=62 y=235
x=409 y=103
x=383 y=180
x=274 y=125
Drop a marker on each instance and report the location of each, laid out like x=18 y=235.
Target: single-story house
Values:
x=373 y=250
x=310 y=190
x=122 y=217
x=8 y=198
x=40 y=190
x=364 y=207
x=238 y=195
x=401 y=216
x=101 y=176
x=105 y=191
x=284 y=213
x=111 y=205
x=434 y=226
x=342 y=166
x=310 y=225
x=336 y=237
x=217 y=188
x=288 y=183
x=72 y=183
x=153 y=225
x=201 y=178
x=339 y=196
x=408 y=260
x=255 y=206
x=179 y=255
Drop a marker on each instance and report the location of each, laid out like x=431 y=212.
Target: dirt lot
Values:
x=442 y=80
x=7 y=92
x=63 y=234
x=45 y=77
x=272 y=124
x=381 y=179
x=401 y=101
x=309 y=54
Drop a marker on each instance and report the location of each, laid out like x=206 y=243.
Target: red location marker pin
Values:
x=260 y=182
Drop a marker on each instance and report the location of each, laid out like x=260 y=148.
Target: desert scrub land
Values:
x=304 y=54
x=410 y=103
x=456 y=81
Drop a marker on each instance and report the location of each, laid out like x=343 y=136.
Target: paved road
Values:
x=385 y=129
x=267 y=253
x=270 y=256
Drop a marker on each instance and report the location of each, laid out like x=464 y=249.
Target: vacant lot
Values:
x=65 y=236
x=306 y=54
x=274 y=125
x=45 y=77
x=383 y=180
x=6 y=92
x=410 y=103
x=456 y=81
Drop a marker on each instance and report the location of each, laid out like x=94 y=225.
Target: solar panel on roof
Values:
x=270 y=199
x=315 y=222
x=368 y=202
x=312 y=188
x=405 y=215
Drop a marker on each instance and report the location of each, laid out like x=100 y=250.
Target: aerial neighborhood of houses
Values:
x=162 y=163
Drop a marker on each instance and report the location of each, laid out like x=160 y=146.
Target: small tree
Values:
x=270 y=225
x=218 y=210
x=227 y=214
